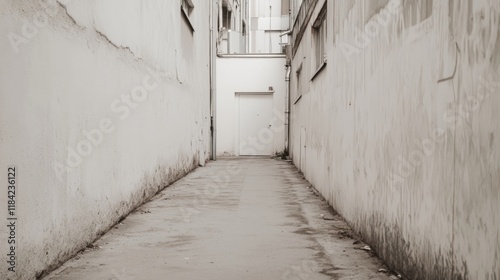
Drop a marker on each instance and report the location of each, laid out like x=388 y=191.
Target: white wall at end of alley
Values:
x=256 y=75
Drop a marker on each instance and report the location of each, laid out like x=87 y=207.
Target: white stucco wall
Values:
x=127 y=72
x=401 y=131
x=247 y=75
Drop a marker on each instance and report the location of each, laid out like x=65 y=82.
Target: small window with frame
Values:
x=319 y=40
x=187 y=7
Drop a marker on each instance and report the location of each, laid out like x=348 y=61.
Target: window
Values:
x=187 y=6
x=227 y=16
x=319 y=35
x=299 y=82
x=298 y=94
x=295 y=9
x=186 y=9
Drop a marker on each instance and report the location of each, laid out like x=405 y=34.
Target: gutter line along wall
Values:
x=102 y=104
x=400 y=131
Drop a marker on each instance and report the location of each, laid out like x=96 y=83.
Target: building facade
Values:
x=252 y=26
x=103 y=104
x=250 y=82
x=391 y=107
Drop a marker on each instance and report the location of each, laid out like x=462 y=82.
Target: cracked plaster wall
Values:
x=65 y=68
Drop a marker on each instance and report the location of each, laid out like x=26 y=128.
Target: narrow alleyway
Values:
x=263 y=222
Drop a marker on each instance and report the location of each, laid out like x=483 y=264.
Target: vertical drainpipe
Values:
x=287 y=86
x=287 y=105
x=270 y=29
x=212 y=50
x=219 y=8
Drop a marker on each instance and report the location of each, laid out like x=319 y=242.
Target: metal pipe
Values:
x=270 y=29
x=288 y=32
x=251 y=55
x=287 y=105
x=212 y=58
x=219 y=5
x=287 y=87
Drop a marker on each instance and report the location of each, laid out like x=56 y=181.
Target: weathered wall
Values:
x=130 y=69
x=254 y=74
x=400 y=133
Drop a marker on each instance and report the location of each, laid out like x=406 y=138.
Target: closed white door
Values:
x=256 y=136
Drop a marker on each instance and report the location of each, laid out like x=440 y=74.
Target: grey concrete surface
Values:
x=245 y=218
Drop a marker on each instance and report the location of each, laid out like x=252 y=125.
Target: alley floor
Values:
x=244 y=218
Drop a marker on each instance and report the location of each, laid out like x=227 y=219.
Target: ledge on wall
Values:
x=252 y=55
x=321 y=67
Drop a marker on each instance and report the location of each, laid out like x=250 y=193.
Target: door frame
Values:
x=237 y=95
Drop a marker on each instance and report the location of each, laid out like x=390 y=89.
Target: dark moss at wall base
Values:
x=151 y=184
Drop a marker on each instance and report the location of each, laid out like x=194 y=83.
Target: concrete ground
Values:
x=245 y=218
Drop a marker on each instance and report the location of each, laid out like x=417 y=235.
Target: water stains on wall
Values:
x=405 y=119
